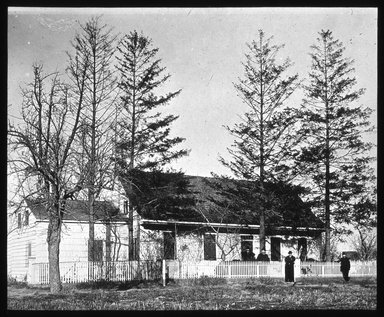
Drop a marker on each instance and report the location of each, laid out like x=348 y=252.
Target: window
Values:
x=29 y=247
x=28 y=253
x=97 y=255
x=275 y=249
x=246 y=243
x=19 y=220
x=302 y=247
x=125 y=207
x=209 y=247
x=26 y=218
x=169 y=245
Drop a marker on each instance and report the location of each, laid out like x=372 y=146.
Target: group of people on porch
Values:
x=248 y=255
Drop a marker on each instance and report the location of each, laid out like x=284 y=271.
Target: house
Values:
x=27 y=237
x=198 y=225
x=185 y=218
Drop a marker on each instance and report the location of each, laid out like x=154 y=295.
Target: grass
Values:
x=203 y=294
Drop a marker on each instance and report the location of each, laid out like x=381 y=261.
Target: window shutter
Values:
x=209 y=247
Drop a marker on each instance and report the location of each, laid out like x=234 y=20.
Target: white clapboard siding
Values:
x=73 y=245
x=17 y=251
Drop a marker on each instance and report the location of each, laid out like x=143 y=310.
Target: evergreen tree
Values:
x=143 y=138
x=334 y=154
x=265 y=139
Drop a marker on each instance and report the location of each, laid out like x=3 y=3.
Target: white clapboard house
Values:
x=192 y=224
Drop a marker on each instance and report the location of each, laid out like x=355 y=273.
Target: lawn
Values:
x=201 y=294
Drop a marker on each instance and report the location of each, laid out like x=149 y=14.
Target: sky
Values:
x=203 y=50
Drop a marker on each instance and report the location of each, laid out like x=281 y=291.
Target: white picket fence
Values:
x=243 y=269
x=233 y=269
x=331 y=269
x=77 y=272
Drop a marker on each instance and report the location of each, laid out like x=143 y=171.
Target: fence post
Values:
x=322 y=270
x=179 y=267
x=163 y=272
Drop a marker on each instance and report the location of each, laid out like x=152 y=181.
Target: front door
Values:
x=275 y=249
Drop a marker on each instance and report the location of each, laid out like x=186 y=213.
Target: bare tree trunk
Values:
x=91 y=238
x=53 y=239
x=130 y=233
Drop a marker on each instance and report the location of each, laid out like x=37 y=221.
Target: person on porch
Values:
x=263 y=256
x=248 y=255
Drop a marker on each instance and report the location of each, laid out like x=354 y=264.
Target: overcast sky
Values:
x=202 y=49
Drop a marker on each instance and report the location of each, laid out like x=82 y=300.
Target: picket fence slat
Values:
x=77 y=272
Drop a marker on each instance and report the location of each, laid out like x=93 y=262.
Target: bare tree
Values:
x=224 y=241
x=93 y=53
x=365 y=243
x=42 y=150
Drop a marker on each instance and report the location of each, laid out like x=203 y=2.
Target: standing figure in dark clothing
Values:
x=289 y=266
x=345 y=266
x=248 y=255
x=263 y=256
x=263 y=267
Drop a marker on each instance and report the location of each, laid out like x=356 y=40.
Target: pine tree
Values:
x=335 y=155
x=143 y=138
x=265 y=139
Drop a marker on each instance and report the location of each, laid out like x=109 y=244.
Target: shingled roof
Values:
x=77 y=210
x=203 y=199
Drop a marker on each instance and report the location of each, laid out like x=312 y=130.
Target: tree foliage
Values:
x=334 y=155
x=265 y=142
x=143 y=133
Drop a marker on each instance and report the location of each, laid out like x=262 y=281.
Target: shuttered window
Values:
x=209 y=247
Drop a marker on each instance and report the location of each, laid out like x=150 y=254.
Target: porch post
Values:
x=163 y=272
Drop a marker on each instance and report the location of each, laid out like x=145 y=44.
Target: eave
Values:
x=230 y=227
